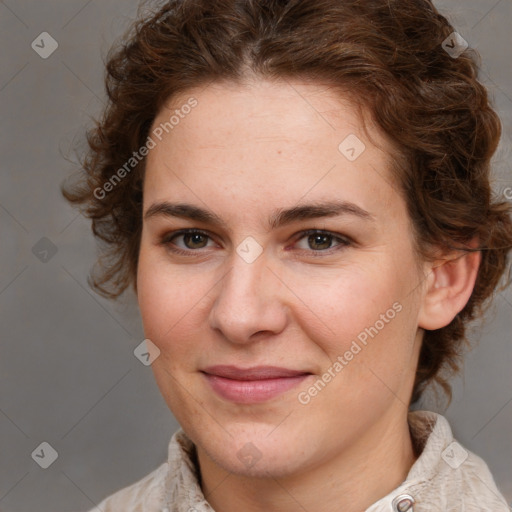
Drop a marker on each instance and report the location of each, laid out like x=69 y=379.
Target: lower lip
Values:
x=252 y=391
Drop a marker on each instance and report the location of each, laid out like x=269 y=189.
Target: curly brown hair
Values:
x=388 y=54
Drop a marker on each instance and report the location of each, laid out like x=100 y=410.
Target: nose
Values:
x=249 y=302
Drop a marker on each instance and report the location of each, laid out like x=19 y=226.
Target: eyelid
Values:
x=166 y=239
x=343 y=241
x=172 y=234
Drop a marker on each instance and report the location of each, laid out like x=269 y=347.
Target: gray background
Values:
x=68 y=375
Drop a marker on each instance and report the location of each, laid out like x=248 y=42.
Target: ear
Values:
x=449 y=286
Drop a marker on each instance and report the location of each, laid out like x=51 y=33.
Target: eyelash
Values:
x=343 y=241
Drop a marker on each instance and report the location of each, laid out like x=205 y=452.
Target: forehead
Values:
x=261 y=111
x=263 y=140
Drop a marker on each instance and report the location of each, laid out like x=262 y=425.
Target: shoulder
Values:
x=173 y=484
x=145 y=495
x=447 y=474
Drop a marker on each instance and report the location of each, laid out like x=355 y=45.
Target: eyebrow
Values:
x=280 y=217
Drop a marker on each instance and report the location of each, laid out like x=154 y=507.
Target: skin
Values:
x=244 y=152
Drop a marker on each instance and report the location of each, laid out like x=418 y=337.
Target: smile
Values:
x=252 y=385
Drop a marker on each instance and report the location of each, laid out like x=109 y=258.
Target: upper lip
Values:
x=253 y=373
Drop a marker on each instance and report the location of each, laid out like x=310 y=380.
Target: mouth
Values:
x=252 y=385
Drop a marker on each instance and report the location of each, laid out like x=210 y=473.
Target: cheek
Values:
x=336 y=306
x=169 y=298
x=362 y=318
x=172 y=305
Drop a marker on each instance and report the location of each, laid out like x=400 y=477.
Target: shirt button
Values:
x=403 y=503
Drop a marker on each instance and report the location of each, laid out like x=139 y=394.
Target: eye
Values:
x=186 y=240
x=314 y=241
x=320 y=241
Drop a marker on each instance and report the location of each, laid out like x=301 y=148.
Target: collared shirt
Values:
x=446 y=477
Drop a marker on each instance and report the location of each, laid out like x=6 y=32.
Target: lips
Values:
x=254 y=373
x=252 y=385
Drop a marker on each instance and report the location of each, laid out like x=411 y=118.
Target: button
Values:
x=403 y=503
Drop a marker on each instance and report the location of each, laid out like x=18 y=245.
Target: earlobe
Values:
x=448 y=288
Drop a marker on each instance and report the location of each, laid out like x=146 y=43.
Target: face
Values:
x=277 y=276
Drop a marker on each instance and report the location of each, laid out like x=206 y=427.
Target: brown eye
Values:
x=183 y=241
x=195 y=240
x=317 y=241
x=320 y=241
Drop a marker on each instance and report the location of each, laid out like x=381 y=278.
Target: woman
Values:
x=298 y=193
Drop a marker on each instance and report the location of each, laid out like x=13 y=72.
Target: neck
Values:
x=350 y=481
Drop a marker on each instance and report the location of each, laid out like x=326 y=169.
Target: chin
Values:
x=254 y=450
x=254 y=462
